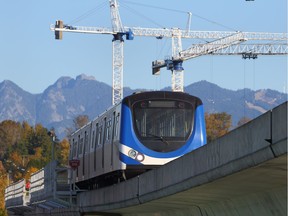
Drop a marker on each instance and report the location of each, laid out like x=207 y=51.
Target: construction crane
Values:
x=117 y=45
x=229 y=45
x=119 y=31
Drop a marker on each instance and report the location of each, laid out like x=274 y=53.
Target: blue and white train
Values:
x=143 y=131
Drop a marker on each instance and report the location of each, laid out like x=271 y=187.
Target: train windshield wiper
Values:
x=157 y=137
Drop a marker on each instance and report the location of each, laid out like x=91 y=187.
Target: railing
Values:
x=16 y=194
x=50 y=185
x=42 y=183
x=49 y=188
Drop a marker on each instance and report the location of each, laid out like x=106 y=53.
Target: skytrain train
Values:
x=143 y=131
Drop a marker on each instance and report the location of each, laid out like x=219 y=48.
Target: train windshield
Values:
x=163 y=125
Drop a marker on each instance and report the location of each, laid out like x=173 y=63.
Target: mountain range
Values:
x=67 y=98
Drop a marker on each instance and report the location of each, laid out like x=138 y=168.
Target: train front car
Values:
x=157 y=127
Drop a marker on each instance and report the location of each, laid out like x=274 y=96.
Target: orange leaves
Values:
x=217 y=124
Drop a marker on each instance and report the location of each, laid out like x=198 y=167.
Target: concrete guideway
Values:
x=241 y=173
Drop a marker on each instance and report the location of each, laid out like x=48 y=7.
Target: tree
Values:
x=15 y=165
x=3 y=184
x=10 y=133
x=42 y=139
x=25 y=149
x=27 y=134
x=243 y=121
x=63 y=152
x=80 y=121
x=217 y=124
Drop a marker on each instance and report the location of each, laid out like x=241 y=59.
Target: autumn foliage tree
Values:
x=217 y=124
x=243 y=121
x=62 y=152
x=24 y=150
x=3 y=184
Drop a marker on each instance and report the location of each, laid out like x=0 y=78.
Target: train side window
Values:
x=71 y=149
x=85 y=143
x=93 y=140
x=74 y=151
x=80 y=146
x=116 y=126
x=99 y=141
x=108 y=128
x=105 y=131
x=96 y=135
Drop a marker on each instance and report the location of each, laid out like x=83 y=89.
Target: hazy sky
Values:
x=33 y=59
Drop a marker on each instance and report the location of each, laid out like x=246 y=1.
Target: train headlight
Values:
x=132 y=153
x=140 y=157
x=136 y=155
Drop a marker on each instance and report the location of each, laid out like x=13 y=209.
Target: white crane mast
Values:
x=115 y=17
x=117 y=53
x=177 y=78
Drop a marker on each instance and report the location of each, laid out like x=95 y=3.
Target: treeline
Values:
x=24 y=150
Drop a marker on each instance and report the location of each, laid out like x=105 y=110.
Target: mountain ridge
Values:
x=67 y=98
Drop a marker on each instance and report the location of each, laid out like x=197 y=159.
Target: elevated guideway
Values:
x=241 y=173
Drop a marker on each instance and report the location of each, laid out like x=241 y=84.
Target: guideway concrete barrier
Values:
x=241 y=173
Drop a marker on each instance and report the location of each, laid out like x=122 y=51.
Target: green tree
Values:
x=217 y=124
x=26 y=136
x=10 y=133
x=43 y=140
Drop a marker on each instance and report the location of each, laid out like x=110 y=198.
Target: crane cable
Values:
x=212 y=89
x=180 y=11
x=141 y=15
x=88 y=13
x=244 y=90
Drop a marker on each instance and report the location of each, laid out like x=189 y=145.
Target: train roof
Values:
x=161 y=95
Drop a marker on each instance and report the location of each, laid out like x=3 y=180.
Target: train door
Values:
x=79 y=156
x=108 y=143
x=116 y=128
x=104 y=144
x=98 y=162
x=73 y=155
x=92 y=150
x=112 y=140
x=85 y=155
x=94 y=162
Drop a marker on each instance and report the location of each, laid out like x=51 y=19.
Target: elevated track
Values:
x=241 y=173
